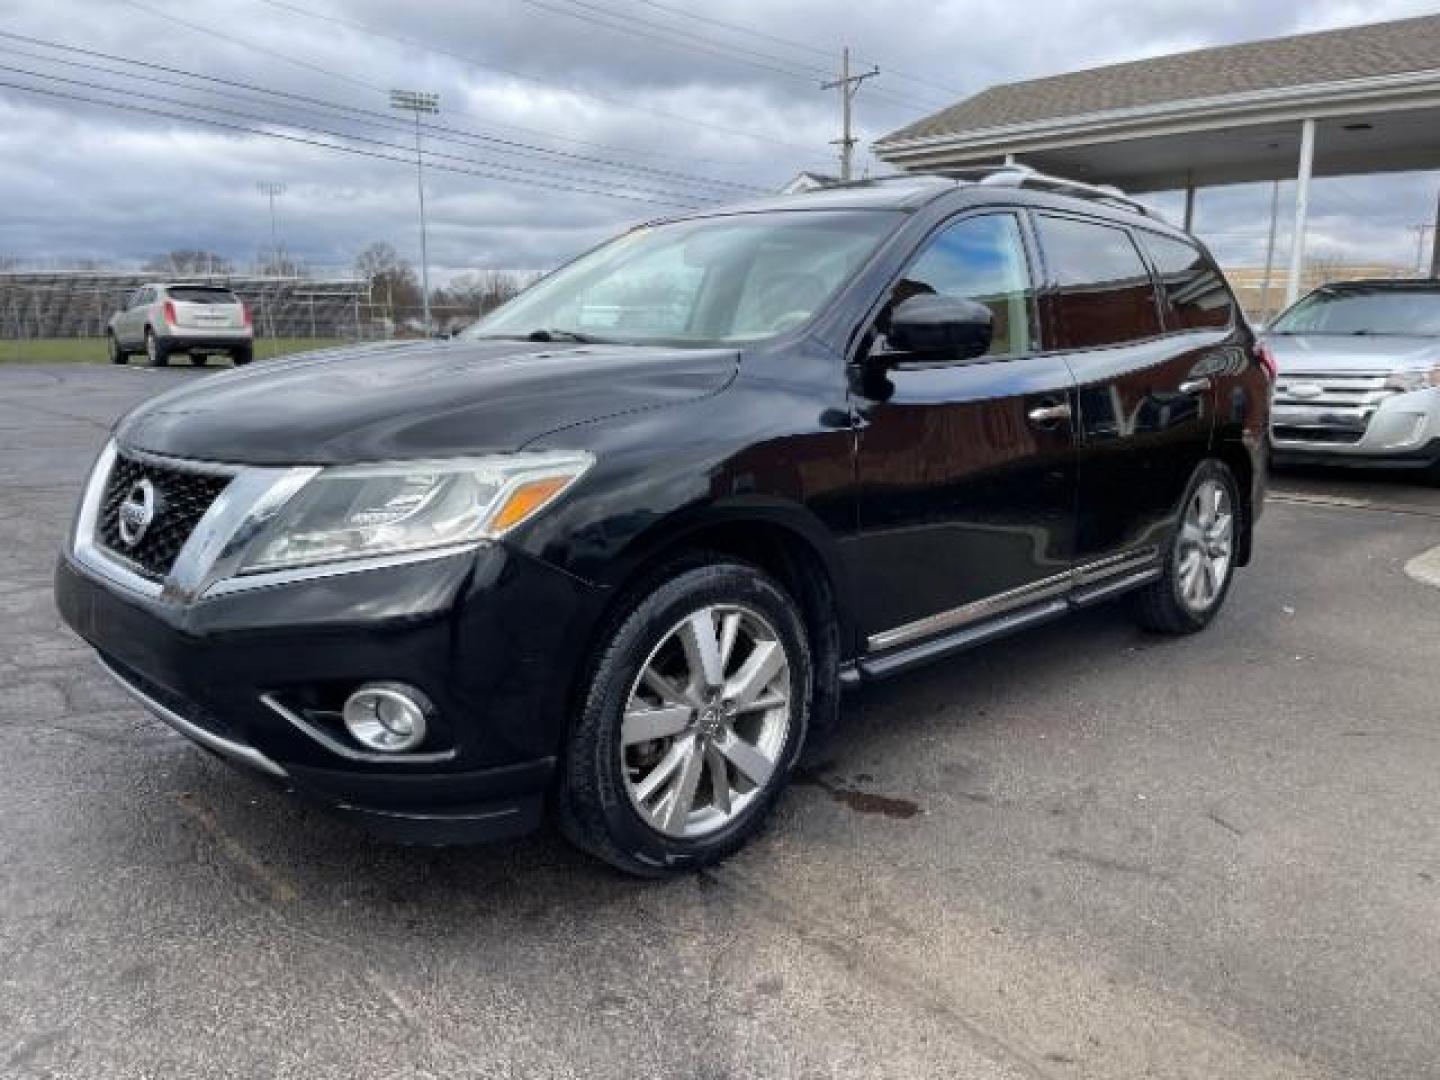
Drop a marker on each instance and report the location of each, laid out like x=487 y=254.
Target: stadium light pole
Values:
x=272 y=189
x=417 y=102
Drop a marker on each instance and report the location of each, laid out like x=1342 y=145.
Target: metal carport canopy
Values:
x=1253 y=112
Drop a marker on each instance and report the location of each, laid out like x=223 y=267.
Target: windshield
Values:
x=709 y=281
x=1364 y=311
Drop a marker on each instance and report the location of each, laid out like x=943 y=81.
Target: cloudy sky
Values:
x=563 y=120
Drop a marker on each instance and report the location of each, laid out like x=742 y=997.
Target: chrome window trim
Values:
x=335 y=746
x=247 y=755
x=1045 y=588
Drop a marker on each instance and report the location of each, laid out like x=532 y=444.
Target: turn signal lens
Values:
x=526 y=499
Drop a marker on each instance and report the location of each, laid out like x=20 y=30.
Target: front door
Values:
x=966 y=470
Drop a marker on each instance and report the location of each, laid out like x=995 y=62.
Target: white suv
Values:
x=199 y=320
x=1359 y=376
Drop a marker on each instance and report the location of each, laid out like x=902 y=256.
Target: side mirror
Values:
x=941 y=327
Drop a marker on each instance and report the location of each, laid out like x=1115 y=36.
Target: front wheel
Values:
x=695 y=715
x=117 y=354
x=1201 y=561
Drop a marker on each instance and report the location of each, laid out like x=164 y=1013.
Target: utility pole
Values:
x=848 y=86
x=272 y=189
x=417 y=102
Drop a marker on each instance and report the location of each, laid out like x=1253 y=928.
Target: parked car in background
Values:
x=615 y=551
x=161 y=321
x=1358 y=378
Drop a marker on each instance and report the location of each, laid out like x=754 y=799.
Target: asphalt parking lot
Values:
x=1081 y=853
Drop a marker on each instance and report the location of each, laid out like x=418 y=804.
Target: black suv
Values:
x=617 y=549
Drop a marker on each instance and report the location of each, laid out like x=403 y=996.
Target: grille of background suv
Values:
x=182 y=497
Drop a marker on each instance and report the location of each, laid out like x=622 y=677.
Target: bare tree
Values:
x=189 y=261
x=277 y=262
x=391 y=279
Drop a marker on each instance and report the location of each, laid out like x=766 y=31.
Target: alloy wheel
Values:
x=706 y=721
x=1205 y=546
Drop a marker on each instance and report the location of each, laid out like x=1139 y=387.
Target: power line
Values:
x=380 y=119
x=472 y=62
x=306 y=141
x=791 y=42
x=648 y=29
x=664 y=194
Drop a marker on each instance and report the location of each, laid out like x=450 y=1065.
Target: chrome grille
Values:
x=182 y=497
x=1333 y=407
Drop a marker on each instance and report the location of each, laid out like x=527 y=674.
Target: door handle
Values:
x=1195 y=386
x=1049 y=414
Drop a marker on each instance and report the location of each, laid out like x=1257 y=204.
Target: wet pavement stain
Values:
x=864 y=802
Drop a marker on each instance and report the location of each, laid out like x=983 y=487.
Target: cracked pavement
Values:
x=1084 y=852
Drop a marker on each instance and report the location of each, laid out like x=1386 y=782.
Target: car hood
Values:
x=411 y=400
x=1320 y=353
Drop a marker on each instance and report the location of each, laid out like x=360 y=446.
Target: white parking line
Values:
x=1425 y=567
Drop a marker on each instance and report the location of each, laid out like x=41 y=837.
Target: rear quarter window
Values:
x=1196 y=296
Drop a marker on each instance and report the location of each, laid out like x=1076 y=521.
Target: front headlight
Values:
x=360 y=511
x=1419 y=379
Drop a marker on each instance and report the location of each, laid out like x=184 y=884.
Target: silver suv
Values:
x=1358 y=376
x=198 y=320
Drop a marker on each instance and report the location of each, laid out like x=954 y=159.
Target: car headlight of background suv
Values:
x=365 y=511
x=1417 y=379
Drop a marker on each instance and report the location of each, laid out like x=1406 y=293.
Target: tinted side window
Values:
x=1195 y=294
x=980 y=259
x=1104 y=292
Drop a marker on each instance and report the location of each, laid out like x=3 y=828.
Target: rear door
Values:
x=132 y=319
x=1146 y=394
x=967 y=469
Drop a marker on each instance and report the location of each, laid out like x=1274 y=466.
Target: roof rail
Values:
x=1023 y=176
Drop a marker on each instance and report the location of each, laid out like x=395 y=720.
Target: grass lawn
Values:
x=92 y=350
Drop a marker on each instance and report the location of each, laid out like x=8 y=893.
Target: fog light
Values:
x=388 y=717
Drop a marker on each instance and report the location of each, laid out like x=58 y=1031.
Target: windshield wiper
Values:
x=564 y=335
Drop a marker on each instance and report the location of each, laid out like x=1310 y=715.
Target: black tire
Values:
x=242 y=356
x=594 y=806
x=197 y=359
x=157 y=353
x=117 y=354
x=1162 y=606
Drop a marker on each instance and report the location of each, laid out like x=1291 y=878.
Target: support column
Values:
x=1435 y=243
x=1264 y=312
x=1302 y=210
x=1190 y=206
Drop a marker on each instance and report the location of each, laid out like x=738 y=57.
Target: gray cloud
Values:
x=81 y=180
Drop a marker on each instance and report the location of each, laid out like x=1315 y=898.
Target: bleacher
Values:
x=79 y=303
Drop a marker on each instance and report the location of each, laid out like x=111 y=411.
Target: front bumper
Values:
x=1402 y=431
x=462 y=628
